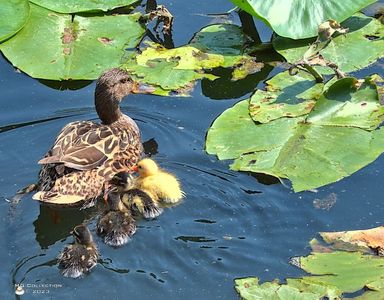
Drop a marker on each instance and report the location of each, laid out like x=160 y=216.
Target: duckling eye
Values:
x=140 y=167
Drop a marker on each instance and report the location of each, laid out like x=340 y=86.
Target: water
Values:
x=230 y=225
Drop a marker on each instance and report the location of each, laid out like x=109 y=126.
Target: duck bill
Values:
x=142 y=88
x=135 y=169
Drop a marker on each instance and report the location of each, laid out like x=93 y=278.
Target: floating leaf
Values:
x=360 y=47
x=312 y=150
x=174 y=69
x=13 y=16
x=285 y=96
x=332 y=274
x=368 y=239
x=56 y=46
x=298 y=19
x=73 y=6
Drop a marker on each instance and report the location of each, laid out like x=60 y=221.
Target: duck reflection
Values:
x=55 y=223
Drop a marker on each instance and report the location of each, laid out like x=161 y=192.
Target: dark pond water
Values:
x=230 y=224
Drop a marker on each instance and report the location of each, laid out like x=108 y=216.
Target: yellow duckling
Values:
x=116 y=225
x=79 y=258
x=159 y=184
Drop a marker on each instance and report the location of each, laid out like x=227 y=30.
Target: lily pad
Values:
x=369 y=239
x=71 y=47
x=298 y=19
x=312 y=150
x=360 y=47
x=13 y=16
x=74 y=6
x=332 y=274
x=175 y=69
x=285 y=96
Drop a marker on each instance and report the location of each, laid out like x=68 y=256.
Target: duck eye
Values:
x=124 y=80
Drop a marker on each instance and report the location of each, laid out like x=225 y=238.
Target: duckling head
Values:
x=147 y=167
x=82 y=235
x=122 y=180
x=111 y=87
x=114 y=201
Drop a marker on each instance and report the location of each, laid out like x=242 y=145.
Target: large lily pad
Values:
x=285 y=96
x=331 y=274
x=73 y=6
x=71 y=48
x=360 y=47
x=329 y=143
x=13 y=16
x=176 y=69
x=298 y=19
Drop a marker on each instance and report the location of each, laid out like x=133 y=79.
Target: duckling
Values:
x=86 y=154
x=136 y=200
x=79 y=258
x=158 y=183
x=116 y=225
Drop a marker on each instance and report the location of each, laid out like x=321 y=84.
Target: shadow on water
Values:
x=56 y=223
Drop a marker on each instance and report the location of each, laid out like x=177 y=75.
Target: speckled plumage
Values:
x=86 y=154
x=79 y=258
x=116 y=225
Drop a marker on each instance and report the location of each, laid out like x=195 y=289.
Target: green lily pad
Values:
x=176 y=69
x=78 y=48
x=285 y=96
x=13 y=16
x=360 y=47
x=299 y=19
x=73 y=6
x=313 y=150
x=332 y=274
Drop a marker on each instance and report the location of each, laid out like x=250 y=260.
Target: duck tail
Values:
x=140 y=201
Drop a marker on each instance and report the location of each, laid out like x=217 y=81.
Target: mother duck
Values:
x=86 y=154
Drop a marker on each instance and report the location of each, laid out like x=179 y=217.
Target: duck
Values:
x=87 y=154
x=161 y=185
x=79 y=258
x=138 y=201
x=116 y=225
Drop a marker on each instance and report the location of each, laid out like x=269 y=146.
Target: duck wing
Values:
x=82 y=145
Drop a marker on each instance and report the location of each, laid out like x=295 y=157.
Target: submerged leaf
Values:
x=73 y=6
x=13 y=16
x=312 y=150
x=78 y=48
x=298 y=19
x=360 y=47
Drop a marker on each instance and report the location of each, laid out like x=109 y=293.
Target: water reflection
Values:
x=55 y=223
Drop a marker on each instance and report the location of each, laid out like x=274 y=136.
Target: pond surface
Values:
x=230 y=224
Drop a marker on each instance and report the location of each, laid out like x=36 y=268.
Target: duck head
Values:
x=82 y=235
x=111 y=87
x=114 y=201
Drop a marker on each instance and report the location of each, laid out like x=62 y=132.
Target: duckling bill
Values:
x=116 y=226
x=79 y=258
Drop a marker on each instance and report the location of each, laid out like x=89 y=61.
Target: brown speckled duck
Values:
x=86 y=154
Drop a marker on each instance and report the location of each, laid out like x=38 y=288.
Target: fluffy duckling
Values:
x=116 y=225
x=158 y=183
x=79 y=258
x=136 y=200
